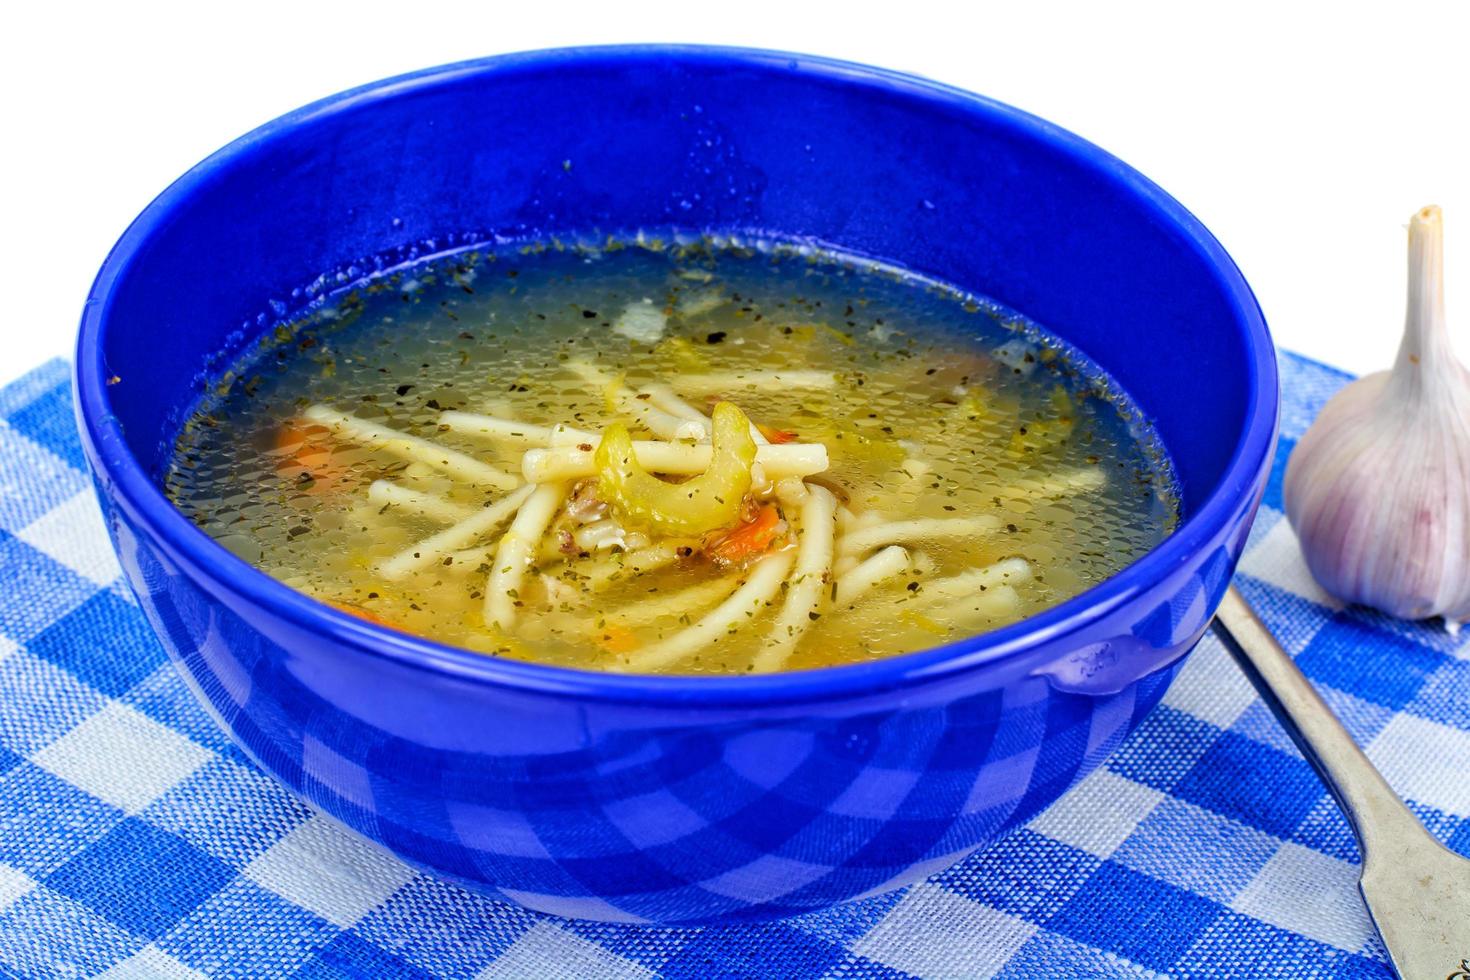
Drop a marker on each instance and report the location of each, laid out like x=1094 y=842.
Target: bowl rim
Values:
x=1242 y=479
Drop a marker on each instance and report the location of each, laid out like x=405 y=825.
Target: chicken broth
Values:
x=706 y=459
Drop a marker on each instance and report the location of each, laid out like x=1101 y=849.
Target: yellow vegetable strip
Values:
x=808 y=589
x=438 y=546
x=857 y=581
x=417 y=502
x=747 y=602
x=918 y=529
x=718 y=382
x=502 y=430
x=703 y=503
x=673 y=458
x=516 y=550
x=411 y=447
x=685 y=600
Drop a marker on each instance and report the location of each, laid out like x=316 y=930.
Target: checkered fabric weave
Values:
x=136 y=842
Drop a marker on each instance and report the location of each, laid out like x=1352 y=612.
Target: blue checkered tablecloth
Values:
x=136 y=842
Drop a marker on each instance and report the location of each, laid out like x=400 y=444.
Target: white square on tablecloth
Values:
x=151 y=963
x=977 y=939
x=1439 y=778
x=1305 y=891
x=7 y=647
x=1210 y=687
x=73 y=534
x=329 y=870
x=547 y=952
x=122 y=757
x=14 y=885
x=1098 y=814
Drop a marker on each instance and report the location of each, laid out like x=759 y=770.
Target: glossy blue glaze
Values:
x=671 y=799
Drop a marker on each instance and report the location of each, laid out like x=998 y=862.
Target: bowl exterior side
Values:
x=621 y=812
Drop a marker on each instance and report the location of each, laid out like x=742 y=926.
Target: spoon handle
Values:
x=1417 y=891
x=1367 y=800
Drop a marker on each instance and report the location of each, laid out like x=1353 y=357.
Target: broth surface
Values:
x=1012 y=453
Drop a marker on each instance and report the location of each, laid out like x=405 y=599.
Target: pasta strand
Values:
x=388 y=494
x=438 y=546
x=411 y=447
x=746 y=603
x=515 y=552
x=502 y=430
x=855 y=582
x=1007 y=571
x=809 y=585
x=918 y=529
x=675 y=603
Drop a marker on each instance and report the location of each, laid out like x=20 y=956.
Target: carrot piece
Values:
x=776 y=436
x=616 y=639
x=750 y=538
x=305 y=455
x=361 y=613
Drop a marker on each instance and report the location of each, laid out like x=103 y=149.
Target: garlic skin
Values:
x=1378 y=489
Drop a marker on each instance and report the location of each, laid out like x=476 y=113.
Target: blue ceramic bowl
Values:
x=669 y=799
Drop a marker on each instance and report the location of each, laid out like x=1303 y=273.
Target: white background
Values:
x=1302 y=135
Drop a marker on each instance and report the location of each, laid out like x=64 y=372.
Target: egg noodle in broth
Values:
x=705 y=459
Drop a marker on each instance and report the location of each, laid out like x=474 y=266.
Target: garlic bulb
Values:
x=1378 y=489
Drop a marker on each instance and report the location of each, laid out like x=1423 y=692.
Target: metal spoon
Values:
x=1417 y=890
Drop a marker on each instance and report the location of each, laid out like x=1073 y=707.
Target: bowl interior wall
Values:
x=869 y=164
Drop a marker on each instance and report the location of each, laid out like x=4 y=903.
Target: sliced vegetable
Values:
x=683 y=354
x=775 y=436
x=1043 y=435
x=704 y=503
x=616 y=639
x=361 y=613
x=305 y=456
x=752 y=538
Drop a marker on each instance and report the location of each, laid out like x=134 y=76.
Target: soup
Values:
x=706 y=459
